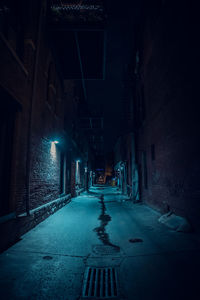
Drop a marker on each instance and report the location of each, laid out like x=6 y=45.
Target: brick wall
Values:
x=47 y=118
x=47 y=109
x=168 y=74
x=45 y=172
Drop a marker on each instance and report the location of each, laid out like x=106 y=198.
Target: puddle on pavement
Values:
x=47 y=257
x=136 y=240
x=104 y=218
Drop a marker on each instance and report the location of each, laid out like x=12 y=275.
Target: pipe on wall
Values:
x=30 y=121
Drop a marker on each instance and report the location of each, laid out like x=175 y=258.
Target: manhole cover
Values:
x=105 y=250
x=47 y=257
x=100 y=283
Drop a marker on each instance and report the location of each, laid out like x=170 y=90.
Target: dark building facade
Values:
x=157 y=157
x=165 y=101
x=43 y=154
x=168 y=126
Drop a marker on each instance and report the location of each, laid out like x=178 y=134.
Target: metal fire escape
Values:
x=77 y=33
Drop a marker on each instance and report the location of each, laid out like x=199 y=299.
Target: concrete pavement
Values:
x=102 y=229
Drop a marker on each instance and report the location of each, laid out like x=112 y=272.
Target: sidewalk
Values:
x=151 y=261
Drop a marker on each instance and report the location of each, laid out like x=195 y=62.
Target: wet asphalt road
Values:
x=102 y=229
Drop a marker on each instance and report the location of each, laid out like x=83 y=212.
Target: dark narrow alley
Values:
x=50 y=262
x=99 y=150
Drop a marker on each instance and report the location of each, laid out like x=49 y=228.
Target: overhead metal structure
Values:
x=82 y=54
x=78 y=36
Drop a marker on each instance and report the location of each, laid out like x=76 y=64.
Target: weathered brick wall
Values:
x=15 y=80
x=16 y=77
x=47 y=125
x=18 y=226
x=169 y=72
x=45 y=172
x=50 y=103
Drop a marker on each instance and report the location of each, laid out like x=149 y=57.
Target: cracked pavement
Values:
x=163 y=265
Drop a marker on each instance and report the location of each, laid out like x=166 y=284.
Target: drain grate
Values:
x=100 y=283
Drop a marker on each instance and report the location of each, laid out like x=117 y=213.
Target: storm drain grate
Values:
x=100 y=283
